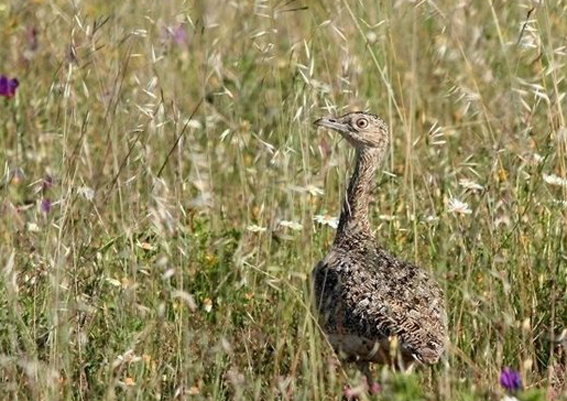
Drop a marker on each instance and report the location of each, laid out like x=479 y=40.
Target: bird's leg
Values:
x=364 y=387
x=372 y=386
x=364 y=367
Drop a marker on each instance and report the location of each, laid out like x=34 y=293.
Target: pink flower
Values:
x=179 y=35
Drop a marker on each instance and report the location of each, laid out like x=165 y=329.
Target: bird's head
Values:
x=362 y=130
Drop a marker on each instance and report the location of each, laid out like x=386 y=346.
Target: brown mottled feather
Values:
x=364 y=296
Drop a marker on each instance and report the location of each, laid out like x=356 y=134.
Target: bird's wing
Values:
x=402 y=300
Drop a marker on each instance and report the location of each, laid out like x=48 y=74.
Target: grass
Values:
x=178 y=137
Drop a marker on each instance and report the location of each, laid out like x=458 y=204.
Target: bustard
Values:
x=366 y=299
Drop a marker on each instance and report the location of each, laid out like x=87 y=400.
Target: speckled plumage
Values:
x=366 y=298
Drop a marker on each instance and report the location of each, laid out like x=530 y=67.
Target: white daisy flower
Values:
x=86 y=192
x=291 y=225
x=458 y=207
x=253 y=228
x=470 y=184
x=327 y=220
x=431 y=219
x=555 y=180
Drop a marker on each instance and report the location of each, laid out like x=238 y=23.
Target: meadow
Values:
x=164 y=194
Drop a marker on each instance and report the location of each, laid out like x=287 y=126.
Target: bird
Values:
x=373 y=307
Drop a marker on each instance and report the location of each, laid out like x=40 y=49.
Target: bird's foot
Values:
x=374 y=388
x=362 y=390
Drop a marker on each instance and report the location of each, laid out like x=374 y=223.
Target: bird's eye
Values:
x=362 y=123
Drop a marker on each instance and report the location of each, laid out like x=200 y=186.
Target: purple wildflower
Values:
x=8 y=86
x=179 y=35
x=45 y=205
x=510 y=379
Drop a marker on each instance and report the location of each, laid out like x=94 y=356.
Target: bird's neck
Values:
x=354 y=214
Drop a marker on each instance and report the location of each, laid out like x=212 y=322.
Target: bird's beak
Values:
x=332 y=123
